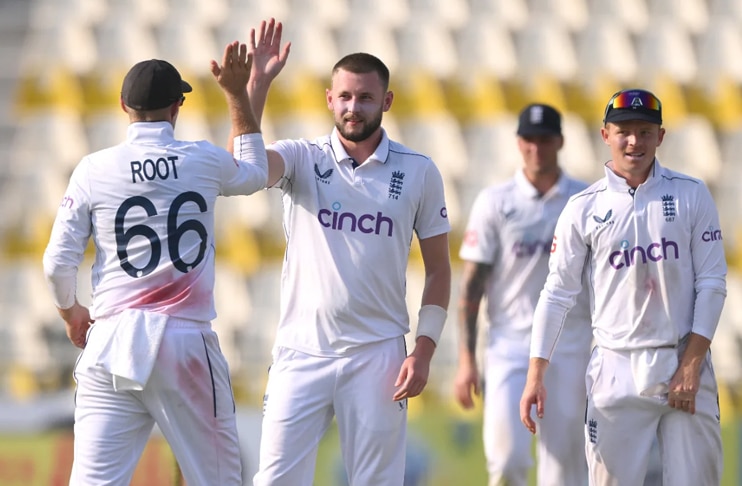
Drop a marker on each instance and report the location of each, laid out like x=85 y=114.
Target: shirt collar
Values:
x=381 y=154
x=150 y=132
x=618 y=183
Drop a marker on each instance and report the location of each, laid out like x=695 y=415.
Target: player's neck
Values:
x=542 y=181
x=361 y=150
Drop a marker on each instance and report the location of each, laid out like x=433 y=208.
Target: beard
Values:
x=362 y=132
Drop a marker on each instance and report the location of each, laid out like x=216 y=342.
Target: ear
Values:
x=661 y=136
x=123 y=105
x=328 y=98
x=604 y=134
x=388 y=98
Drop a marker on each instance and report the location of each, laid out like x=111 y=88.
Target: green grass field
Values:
x=455 y=447
x=451 y=439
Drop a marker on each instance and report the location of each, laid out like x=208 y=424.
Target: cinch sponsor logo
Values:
x=530 y=248
x=711 y=235
x=654 y=252
x=346 y=221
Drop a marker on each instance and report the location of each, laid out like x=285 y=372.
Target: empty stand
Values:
x=572 y=14
x=514 y=14
x=666 y=49
x=633 y=14
x=605 y=48
x=691 y=147
x=545 y=48
x=427 y=46
x=693 y=15
x=486 y=46
x=452 y=14
x=374 y=37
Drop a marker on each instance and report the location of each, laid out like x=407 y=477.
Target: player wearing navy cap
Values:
x=651 y=243
x=506 y=252
x=151 y=355
x=353 y=201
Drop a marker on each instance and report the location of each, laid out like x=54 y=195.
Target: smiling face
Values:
x=633 y=147
x=358 y=101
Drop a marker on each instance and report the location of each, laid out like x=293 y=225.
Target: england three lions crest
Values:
x=395 y=184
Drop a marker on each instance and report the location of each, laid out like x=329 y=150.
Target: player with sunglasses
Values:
x=651 y=241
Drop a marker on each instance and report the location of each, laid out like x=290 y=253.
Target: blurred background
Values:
x=461 y=71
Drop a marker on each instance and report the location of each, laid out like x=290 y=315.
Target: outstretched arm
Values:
x=269 y=58
x=232 y=76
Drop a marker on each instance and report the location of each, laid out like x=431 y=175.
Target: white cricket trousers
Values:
x=302 y=395
x=188 y=395
x=621 y=426
x=560 y=433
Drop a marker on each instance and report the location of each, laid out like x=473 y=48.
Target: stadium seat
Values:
x=125 y=42
x=632 y=14
x=513 y=14
x=322 y=14
x=132 y=13
x=694 y=15
x=209 y=14
x=315 y=48
x=604 y=48
x=45 y=89
x=373 y=37
x=666 y=49
x=47 y=13
x=726 y=343
x=473 y=96
x=720 y=51
x=728 y=195
x=692 y=148
x=187 y=44
x=486 y=46
x=427 y=46
x=493 y=154
x=726 y=8
x=452 y=14
x=106 y=128
x=418 y=93
x=545 y=47
x=438 y=136
x=64 y=140
x=67 y=45
x=577 y=157
x=391 y=12
x=719 y=100
x=572 y=14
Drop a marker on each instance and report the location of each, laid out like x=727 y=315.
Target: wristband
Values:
x=430 y=321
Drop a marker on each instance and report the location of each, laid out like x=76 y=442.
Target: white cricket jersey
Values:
x=511 y=227
x=648 y=251
x=348 y=235
x=148 y=203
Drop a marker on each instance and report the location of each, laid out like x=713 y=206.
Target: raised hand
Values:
x=269 y=57
x=234 y=71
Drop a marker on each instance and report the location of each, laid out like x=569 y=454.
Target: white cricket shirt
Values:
x=649 y=252
x=348 y=235
x=511 y=227
x=148 y=204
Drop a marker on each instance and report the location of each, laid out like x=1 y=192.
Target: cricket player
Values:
x=353 y=200
x=149 y=353
x=506 y=251
x=652 y=245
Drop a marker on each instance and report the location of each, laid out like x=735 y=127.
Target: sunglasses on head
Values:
x=634 y=98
